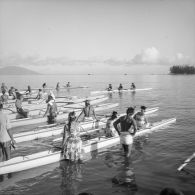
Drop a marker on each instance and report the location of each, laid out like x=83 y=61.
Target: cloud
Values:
x=180 y=58
x=149 y=56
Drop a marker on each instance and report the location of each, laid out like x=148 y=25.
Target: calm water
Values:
x=155 y=157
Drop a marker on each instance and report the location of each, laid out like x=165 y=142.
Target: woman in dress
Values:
x=72 y=144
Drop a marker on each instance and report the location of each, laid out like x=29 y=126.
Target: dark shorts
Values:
x=22 y=112
x=5 y=150
x=51 y=119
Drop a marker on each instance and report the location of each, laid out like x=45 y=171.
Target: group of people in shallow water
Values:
x=132 y=87
x=129 y=124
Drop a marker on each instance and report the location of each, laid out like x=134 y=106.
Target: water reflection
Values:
x=120 y=93
x=126 y=177
x=133 y=95
x=140 y=142
x=71 y=177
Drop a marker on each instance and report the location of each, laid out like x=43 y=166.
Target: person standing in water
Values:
x=72 y=143
x=51 y=111
x=4 y=97
x=6 y=138
x=128 y=129
x=3 y=88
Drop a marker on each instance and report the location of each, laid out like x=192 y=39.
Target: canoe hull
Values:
x=41 y=133
x=30 y=121
x=123 y=90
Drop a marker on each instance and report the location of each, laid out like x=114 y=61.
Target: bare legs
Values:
x=127 y=149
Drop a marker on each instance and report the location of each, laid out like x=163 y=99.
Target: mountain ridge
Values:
x=15 y=70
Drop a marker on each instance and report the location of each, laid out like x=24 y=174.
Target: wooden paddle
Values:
x=186 y=162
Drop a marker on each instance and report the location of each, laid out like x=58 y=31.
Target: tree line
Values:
x=184 y=69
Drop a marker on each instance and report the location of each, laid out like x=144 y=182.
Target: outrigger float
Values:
x=56 y=130
x=62 y=107
x=21 y=163
x=41 y=104
x=62 y=115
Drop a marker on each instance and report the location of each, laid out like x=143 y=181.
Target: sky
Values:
x=91 y=36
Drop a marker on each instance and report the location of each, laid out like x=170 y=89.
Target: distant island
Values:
x=185 y=69
x=15 y=70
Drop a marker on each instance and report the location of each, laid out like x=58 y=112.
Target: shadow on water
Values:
x=125 y=177
x=133 y=95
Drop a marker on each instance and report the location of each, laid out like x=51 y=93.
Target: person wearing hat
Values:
x=6 y=138
x=109 y=130
x=52 y=110
x=141 y=119
x=72 y=143
x=128 y=129
x=87 y=112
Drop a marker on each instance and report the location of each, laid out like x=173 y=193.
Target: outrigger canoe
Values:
x=41 y=104
x=62 y=107
x=122 y=90
x=21 y=163
x=39 y=119
x=56 y=130
x=76 y=87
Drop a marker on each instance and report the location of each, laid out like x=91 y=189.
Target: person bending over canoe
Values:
x=109 y=87
x=120 y=87
x=141 y=119
x=12 y=93
x=72 y=143
x=39 y=95
x=6 y=138
x=4 y=88
x=109 y=130
x=133 y=86
x=28 y=91
x=58 y=86
x=127 y=123
x=87 y=112
x=22 y=112
x=51 y=111
x=4 y=97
